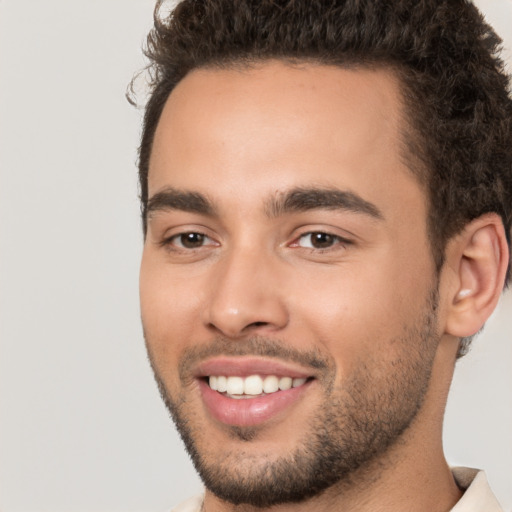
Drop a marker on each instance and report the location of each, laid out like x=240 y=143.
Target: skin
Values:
x=243 y=138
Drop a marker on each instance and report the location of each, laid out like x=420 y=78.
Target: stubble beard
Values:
x=357 y=423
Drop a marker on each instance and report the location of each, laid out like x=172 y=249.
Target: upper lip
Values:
x=246 y=366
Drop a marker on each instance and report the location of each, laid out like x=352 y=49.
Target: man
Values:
x=327 y=200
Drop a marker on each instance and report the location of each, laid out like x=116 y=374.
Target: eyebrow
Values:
x=173 y=199
x=294 y=201
x=305 y=199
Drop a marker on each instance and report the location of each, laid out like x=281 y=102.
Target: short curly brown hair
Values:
x=456 y=93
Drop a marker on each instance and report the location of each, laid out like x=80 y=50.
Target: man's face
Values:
x=286 y=246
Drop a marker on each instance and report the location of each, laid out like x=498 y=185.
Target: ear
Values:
x=478 y=259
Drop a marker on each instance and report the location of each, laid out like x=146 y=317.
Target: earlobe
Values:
x=479 y=257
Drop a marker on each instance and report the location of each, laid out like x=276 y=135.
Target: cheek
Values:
x=170 y=307
x=360 y=309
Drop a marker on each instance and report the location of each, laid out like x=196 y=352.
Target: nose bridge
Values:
x=245 y=293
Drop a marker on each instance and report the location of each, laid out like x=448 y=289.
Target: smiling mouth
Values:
x=252 y=386
x=252 y=400
x=249 y=391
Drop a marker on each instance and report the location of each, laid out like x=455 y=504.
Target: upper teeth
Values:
x=253 y=385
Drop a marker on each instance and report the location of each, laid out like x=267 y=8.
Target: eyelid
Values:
x=346 y=238
x=166 y=240
x=181 y=246
x=338 y=241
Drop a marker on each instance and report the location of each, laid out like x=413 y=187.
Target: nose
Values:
x=245 y=296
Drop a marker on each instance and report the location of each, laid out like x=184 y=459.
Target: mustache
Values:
x=258 y=346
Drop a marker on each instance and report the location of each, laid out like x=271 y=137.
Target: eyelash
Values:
x=168 y=242
x=333 y=241
x=336 y=240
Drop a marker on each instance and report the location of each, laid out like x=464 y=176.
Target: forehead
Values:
x=275 y=126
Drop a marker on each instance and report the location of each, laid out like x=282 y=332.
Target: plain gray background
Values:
x=82 y=427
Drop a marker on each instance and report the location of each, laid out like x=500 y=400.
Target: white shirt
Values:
x=477 y=496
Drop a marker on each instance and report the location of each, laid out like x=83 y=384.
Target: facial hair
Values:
x=358 y=421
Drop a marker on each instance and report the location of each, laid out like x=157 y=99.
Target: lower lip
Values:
x=246 y=412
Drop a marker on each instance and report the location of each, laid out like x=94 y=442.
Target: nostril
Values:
x=257 y=324
x=254 y=325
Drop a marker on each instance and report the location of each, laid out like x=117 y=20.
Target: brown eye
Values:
x=322 y=240
x=190 y=240
x=318 y=240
